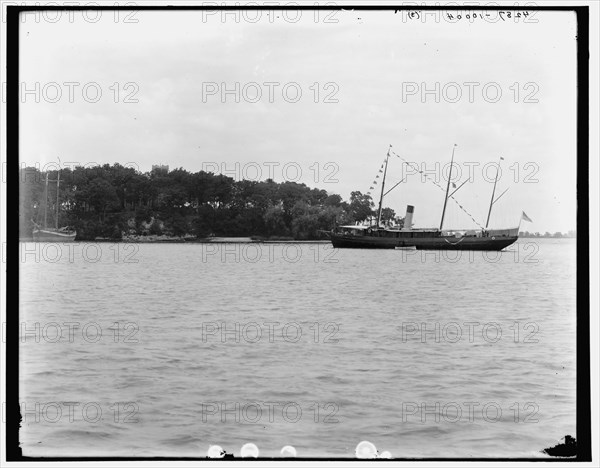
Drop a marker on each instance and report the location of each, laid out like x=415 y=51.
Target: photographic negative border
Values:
x=583 y=404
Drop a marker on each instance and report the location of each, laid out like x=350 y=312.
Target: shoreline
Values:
x=214 y=240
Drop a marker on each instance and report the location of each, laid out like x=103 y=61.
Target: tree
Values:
x=103 y=201
x=275 y=221
x=333 y=200
x=31 y=199
x=387 y=215
x=101 y=196
x=361 y=206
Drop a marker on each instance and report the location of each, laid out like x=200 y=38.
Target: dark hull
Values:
x=423 y=243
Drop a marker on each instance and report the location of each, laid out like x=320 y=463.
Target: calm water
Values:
x=133 y=350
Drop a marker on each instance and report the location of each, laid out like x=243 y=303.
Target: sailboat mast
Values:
x=57 y=193
x=447 y=188
x=46 y=203
x=493 y=193
x=382 y=188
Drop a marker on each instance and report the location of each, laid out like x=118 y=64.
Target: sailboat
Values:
x=382 y=237
x=56 y=234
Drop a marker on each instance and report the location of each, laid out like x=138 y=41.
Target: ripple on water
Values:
x=362 y=382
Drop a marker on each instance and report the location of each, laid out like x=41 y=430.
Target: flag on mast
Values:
x=524 y=217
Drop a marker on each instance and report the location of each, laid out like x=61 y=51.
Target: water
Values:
x=332 y=347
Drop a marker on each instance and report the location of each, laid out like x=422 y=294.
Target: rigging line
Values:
x=470 y=215
x=437 y=185
x=375 y=180
x=394 y=187
x=412 y=165
x=500 y=196
x=456 y=190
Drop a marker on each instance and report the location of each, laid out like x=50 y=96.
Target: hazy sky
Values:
x=372 y=65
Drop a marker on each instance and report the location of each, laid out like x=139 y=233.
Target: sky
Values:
x=182 y=88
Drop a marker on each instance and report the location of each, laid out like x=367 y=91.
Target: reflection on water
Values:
x=166 y=349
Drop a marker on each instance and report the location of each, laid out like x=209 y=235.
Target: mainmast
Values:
x=447 y=188
x=57 y=193
x=492 y=201
x=382 y=187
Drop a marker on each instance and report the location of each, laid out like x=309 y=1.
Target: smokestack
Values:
x=408 y=222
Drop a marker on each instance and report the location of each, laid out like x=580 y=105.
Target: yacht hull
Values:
x=47 y=235
x=424 y=243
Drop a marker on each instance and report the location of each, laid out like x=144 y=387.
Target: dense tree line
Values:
x=558 y=235
x=112 y=201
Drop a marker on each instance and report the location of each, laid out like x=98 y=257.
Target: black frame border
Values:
x=583 y=405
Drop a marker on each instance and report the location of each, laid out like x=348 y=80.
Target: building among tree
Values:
x=160 y=168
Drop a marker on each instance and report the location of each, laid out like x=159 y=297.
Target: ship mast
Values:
x=447 y=188
x=57 y=193
x=46 y=203
x=492 y=201
x=382 y=187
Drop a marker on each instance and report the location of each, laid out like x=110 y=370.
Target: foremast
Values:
x=447 y=188
x=382 y=188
